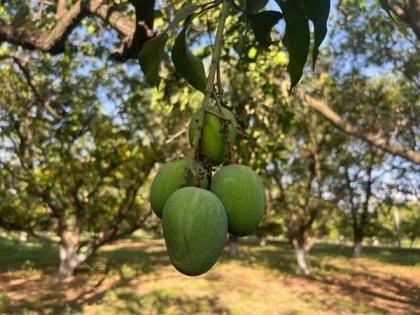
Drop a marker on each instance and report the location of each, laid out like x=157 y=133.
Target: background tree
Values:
x=410 y=221
x=77 y=147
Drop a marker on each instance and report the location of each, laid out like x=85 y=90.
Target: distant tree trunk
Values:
x=23 y=236
x=360 y=218
x=69 y=260
x=70 y=257
x=358 y=241
x=233 y=246
x=262 y=241
x=357 y=246
x=301 y=253
x=397 y=223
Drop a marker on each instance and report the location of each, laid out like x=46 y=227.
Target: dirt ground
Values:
x=135 y=277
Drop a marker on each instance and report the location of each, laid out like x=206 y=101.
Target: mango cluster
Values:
x=198 y=211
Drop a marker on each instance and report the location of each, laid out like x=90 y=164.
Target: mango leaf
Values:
x=385 y=6
x=318 y=12
x=186 y=64
x=184 y=13
x=254 y=6
x=262 y=23
x=150 y=57
x=296 y=38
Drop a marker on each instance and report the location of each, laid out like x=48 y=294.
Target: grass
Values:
x=134 y=276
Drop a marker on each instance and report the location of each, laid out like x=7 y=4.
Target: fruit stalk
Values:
x=210 y=81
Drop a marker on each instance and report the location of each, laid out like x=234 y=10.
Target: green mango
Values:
x=242 y=194
x=169 y=178
x=195 y=229
x=213 y=142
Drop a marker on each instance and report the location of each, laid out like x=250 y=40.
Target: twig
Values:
x=209 y=86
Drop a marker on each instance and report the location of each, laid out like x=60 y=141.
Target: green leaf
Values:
x=262 y=23
x=186 y=64
x=385 y=6
x=254 y=6
x=150 y=57
x=318 y=12
x=184 y=13
x=90 y=29
x=296 y=38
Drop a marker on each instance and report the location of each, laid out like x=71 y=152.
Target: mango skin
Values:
x=213 y=142
x=195 y=229
x=242 y=193
x=169 y=178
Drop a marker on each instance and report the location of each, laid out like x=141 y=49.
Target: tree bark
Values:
x=409 y=13
x=303 y=266
x=357 y=242
x=69 y=260
x=357 y=248
x=53 y=41
x=397 y=223
x=69 y=247
x=377 y=141
x=233 y=246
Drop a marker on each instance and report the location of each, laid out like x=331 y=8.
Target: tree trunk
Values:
x=70 y=257
x=397 y=223
x=69 y=260
x=303 y=267
x=233 y=246
x=357 y=248
x=262 y=241
x=23 y=236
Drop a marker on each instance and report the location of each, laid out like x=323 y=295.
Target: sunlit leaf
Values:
x=91 y=29
x=252 y=53
x=184 y=13
x=186 y=64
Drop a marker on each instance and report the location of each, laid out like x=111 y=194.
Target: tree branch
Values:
x=374 y=139
x=61 y=7
x=44 y=102
x=409 y=14
x=112 y=16
x=145 y=14
x=53 y=41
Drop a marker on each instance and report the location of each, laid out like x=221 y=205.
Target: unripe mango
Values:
x=242 y=194
x=213 y=142
x=195 y=229
x=169 y=178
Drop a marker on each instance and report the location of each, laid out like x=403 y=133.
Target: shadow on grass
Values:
x=365 y=286
x=15 y=255
x=135 y=259
x=395 y=256
x=163 y=302
x=275 y=256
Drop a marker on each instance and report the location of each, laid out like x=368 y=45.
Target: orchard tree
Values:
x=73 y=169
x=410 y=222
x=56 y=28
x=48 y=27
x=357 y=197
x=291 y=146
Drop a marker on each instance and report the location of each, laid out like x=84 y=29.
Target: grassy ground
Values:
x=134 y=277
